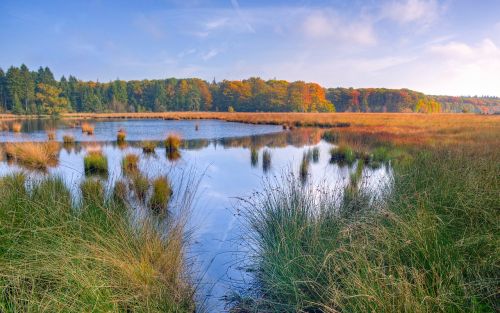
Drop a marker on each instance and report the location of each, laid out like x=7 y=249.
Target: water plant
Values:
x=162 y=191
x=342 y=153
x=130 y=163
x=17 y=127
x=148 y=146
x=92 y=190
x=172 y=143
x=38 y=155
x=95 y=163
x=87 y=128
x=266 y=160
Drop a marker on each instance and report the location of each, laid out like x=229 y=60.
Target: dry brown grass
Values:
x=412 y=128
x=51 y=134
x=16 y=127
x=33 y=154
x=88 y=128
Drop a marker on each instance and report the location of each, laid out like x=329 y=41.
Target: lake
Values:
x=217 y=158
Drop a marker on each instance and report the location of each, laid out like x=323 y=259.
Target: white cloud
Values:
x=209 y=54
x=408 y=11
x=329 y=25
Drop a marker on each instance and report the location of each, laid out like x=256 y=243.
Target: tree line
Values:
x=23 y=91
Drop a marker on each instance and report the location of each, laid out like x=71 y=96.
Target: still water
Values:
x=219 y=157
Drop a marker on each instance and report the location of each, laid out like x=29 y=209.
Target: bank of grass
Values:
x=55 y=257
x=431 y=244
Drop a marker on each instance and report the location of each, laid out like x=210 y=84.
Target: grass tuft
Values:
x=33 y=154
x=162 y=191
x=87 y=128
x=17 y=127
x=172 y=143
x=130 y=163
x=148 y=146
x=95 y=163
x=121 y=136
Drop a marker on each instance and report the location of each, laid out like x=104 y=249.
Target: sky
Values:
x=438 y=47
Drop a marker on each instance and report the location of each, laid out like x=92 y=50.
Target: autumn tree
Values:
x=50 y=99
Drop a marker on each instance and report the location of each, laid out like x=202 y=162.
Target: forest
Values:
x=23 y=91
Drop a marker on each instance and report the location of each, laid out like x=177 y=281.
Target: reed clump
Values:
x=37 y=155
x=162 y=191
x=121 y=136
x=16 y=127
x=342 y=153
x=140 y=185
x=148 y=146
x=95 y=162
x=68 y=139
x=172 y=143
x=130 y=163
x=87 y=128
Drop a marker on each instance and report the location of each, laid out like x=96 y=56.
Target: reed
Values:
x=162 y=191
x=304 y=167
x=95 y=163
x=342 y=153
x=34 y=155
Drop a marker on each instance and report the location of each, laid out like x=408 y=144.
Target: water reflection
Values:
x=228 y=174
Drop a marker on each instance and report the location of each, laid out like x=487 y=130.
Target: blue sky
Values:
x=435 y=46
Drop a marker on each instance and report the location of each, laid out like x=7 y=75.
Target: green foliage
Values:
x=342 y=153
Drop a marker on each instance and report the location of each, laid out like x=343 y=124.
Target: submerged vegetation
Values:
x=56 y=257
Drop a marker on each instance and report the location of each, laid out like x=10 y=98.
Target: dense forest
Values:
x=23 y=91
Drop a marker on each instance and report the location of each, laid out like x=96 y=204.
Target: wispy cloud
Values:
x=423 y=12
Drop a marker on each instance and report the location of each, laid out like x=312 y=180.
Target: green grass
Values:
x=95 y=163
x=121 y=136
x=130 y=163
x=343 y=153
x=55 y=257
x=140 y=185
x=431 y=244
x=172 y=143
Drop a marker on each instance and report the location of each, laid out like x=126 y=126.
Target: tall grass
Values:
x=55 y=257
x=431 y=244
x=162 y=191
x=33 y=154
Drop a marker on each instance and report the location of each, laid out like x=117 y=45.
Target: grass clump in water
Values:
x=87 y=128
x=17 y=127
x=140 y=185
x=91 y=258
x=315 y=154
x=95 y=163
x=148 y=146
x=51 y=135
x=172 y=143
x=162 y=191
x=68 y=139
x=342 y=153
x=121 y=136
x=130 y=163
x=37 y=155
